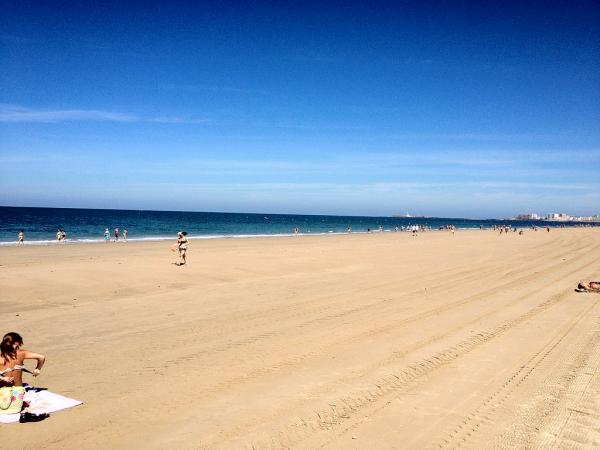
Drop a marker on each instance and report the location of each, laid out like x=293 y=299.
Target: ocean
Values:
x=88 y=225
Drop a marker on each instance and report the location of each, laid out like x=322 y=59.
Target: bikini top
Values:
x=16 y=367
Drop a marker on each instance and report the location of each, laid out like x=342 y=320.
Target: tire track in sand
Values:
x=349 y=406
x=317 y=315
x=466 y=431
x=318 y=321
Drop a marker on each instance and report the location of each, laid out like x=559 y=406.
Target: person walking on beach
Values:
x=181 y=245
x=106 y=235
x=116 y=234
x=21 y=240
x=125 y=234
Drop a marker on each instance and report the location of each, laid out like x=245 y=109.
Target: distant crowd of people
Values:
x=116 y=234
x=61 y=235
x=414 y=229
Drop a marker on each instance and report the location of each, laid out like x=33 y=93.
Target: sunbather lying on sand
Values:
x=592 y=286
x=12 y=358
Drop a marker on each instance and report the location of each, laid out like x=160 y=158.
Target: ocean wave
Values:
x=173 y=238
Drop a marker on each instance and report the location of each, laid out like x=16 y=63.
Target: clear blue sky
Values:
x=451 y=109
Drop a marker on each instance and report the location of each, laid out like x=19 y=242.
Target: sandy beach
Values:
x=344 y=342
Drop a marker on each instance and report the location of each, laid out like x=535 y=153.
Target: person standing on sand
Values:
x=11 y=355
x=21 y=240
x=181 y=245
x=125 y=234
x=117 y=234
x=106 y=235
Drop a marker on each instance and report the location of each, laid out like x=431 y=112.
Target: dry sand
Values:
x=354 y=341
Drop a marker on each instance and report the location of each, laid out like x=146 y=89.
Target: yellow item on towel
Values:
x=11 y=399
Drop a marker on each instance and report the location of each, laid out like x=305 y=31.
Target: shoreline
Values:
x=85 y=241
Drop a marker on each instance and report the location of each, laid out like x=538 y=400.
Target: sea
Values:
x=87 y=225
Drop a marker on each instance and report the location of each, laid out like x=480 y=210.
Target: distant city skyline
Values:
x=560 y=217
x=473 y=110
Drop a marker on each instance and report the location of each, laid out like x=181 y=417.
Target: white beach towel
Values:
x=41 y=402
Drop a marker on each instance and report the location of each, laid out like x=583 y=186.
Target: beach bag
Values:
x=11 y=399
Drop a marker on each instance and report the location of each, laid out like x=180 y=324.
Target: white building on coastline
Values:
x=531 y=216
x=558 y=217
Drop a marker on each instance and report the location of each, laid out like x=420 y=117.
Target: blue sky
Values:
x=469 y=109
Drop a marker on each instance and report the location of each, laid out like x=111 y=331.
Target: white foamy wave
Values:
x=163 y=238
x=190 y=237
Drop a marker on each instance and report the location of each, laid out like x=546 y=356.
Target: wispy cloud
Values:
x=19 y=114
x=512 y=137
x=176 y=120
x=479 y=168
x=12 y=113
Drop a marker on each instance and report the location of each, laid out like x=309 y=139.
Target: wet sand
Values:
x=354 y=341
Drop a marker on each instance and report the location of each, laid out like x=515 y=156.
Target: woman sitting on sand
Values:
x=12 y=358
x=592 y=286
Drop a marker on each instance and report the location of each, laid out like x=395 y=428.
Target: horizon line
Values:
x=392 y=216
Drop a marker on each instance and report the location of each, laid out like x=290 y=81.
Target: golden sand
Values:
x=355 y=341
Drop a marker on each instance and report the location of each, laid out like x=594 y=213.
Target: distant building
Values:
x=559 y=217
x=532 y=216
x=595 y=218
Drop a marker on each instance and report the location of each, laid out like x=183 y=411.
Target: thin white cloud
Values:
x=16 y=114
x=478 y=168
x=374 y=188
x=19 y=114
x=480 y=137
x=175 y=119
